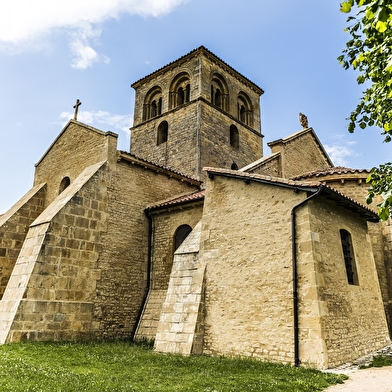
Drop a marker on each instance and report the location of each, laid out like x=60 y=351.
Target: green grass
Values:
x=379 y=361
x=121 y=366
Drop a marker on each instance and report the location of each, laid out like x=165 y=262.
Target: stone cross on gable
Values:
x=76 y=107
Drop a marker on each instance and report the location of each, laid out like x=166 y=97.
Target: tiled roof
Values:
x=200 y=48
x=156 y=166
x=330 y=192
x=191 y=197
x=262 y=178
x=331 y=170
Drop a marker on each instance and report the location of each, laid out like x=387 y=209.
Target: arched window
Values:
x=180 y=90
x=64 y=184
x=348 y=255
x=152 y=103
x=163 y=132
x=234 y=166
x=219 y=92
x=181 y=233
x=244 y=107
x=234 y=136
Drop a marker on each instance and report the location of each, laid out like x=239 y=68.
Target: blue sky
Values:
x=53 y=52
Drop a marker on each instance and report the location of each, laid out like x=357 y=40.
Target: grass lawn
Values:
x=121 y=366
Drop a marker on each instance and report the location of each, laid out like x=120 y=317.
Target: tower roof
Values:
x=208 y=53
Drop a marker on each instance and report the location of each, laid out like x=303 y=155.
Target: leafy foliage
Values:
x=380 y=181
x=369 y=51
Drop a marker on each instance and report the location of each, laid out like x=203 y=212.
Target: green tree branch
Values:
x=369 y=51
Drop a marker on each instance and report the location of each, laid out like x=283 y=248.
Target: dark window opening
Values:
x=242 y=114
x=234 y=137
x=180 y=96
x=188 y=93
x=154 y=109
x=218 y=98
x=181 y=233
x=349 y=260
x=234 y=166
x=64 y=184
x=163 y=132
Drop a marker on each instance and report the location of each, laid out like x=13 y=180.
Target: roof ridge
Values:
x=157 y=165
x=200 y=48
x=330 y=170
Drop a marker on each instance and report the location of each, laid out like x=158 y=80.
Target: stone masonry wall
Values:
x=300 y=154
x=165 y=224
x=180 y=150
x=181 y=323
x=353 y=318
x=245 y=243
x=57 y=270
x=14 y=225
x=123 y=261
x=354 y=186
x=164 y=228
x=269 y=166
x=216 y=150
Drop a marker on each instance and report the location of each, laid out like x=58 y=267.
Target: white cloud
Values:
x=102 y=120
x=83 y=54
x=24 y=23
x=338 y=154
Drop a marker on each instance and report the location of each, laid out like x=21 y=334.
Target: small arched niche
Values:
x=163 y=132
x=234 y=136
x=181 y=233
x=64 y=184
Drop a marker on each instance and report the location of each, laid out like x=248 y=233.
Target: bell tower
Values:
x=195 y=112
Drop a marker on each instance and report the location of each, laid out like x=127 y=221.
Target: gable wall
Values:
x=271 y=167
x=77 y=147
x=300 y=155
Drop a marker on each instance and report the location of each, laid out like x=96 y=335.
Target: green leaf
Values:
x=383 y=213
x=381 y=26
x=345 y=7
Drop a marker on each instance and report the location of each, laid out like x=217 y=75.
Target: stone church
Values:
x=195 y=238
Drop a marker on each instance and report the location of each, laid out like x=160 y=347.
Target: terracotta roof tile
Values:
x=195 y=196
x=156 y=165
x=331 y=170
x=339 y=197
